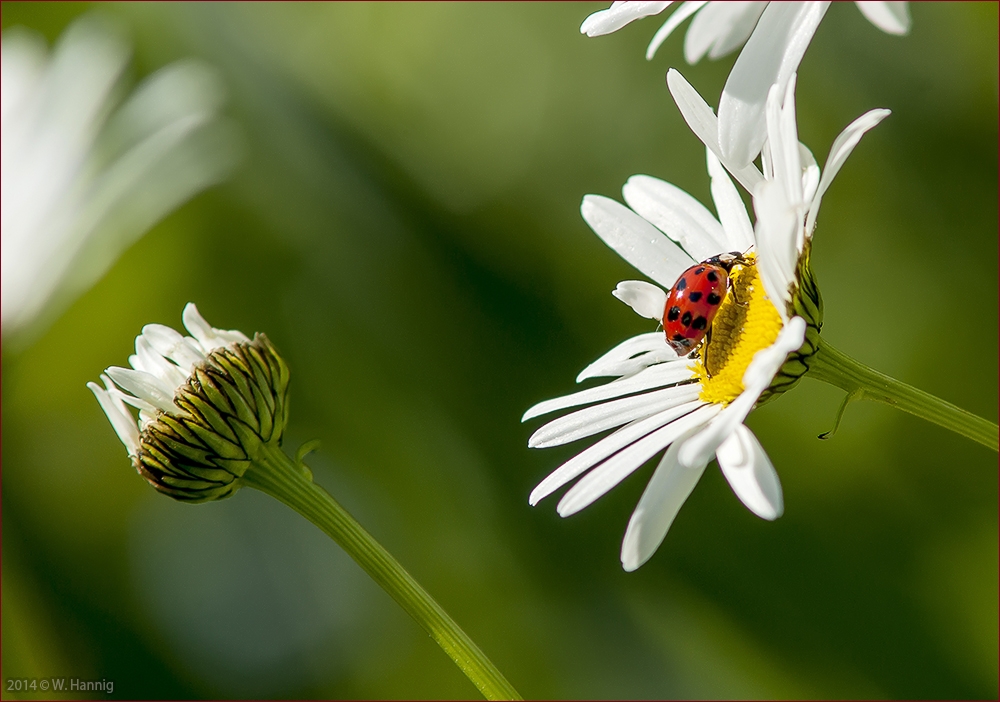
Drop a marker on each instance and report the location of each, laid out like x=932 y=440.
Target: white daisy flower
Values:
x=82 y=176
x=206 y=403
x=694 y=409
x=776 y=37
x=760 y=340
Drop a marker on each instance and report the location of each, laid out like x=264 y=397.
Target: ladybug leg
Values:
x=704 y=354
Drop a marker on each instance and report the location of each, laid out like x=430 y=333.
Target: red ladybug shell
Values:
x=695 y=299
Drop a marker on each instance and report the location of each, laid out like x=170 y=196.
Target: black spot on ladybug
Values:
x=712 y=276
x=714 y=299
x=686 y=319
x=699 y=270
x=681 y=284
x=678 y=337
x=694 y=296
x=700 y=323
x=673 y=313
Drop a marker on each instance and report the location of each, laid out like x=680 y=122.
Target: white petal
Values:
x=147 y=410
x=145 y=386
x=783 y=140
x=842 y=147
x=703 y=123
x=732 y=212
x=777 y=253
x=198 y=328
x=662 y=499
x=593 y=420
x=635 y=239
x=771 y=56
x=606 y=447
x=182 y=350
x=631 y=356
x=751 y=474
x=618 y=15
x=890 y=17
x=605 y=476
x=639 y=363
x=122 y=422
x=670 y=373
x=152 y=362
x=810 y=173
x=759 y=374
x=677 y=214
x=679 y=15
x=645 y=299
x=720 y=27
x=208 y=336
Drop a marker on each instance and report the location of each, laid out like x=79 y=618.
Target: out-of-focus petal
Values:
x=890 y=17
x=618 y=15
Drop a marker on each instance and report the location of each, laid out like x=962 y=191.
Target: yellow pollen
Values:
x=746 y=322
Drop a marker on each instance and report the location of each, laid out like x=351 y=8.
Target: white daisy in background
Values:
x=84 y=176
x=695 y=406
x=206 y=403
x=776 y=37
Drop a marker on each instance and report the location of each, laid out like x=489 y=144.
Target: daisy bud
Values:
x=208 y=403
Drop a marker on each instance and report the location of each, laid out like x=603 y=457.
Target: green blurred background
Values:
x=405 y=227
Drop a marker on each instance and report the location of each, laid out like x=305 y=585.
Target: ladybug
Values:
x=695 y=299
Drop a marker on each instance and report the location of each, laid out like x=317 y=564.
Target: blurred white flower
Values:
x=761 y=339
x=776 y=37
x=84 y=176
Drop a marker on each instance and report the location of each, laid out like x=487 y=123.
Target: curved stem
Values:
x=277 y=475
x=836 y=368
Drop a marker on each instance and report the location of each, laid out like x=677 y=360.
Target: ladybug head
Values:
x=681 y=346
x=728 y=260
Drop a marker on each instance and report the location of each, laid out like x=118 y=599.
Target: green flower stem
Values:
x=836 y=368
x=277 y=475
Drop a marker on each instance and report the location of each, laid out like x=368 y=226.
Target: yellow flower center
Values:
x=746 y=322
